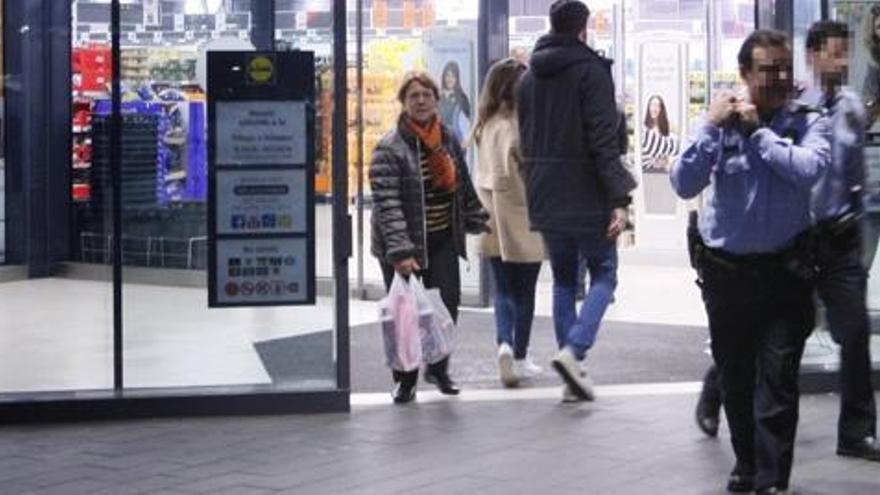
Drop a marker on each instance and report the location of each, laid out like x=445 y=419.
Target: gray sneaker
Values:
x=575 y=378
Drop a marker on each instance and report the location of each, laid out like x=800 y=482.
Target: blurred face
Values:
x=449 y=80
x=420 y=104
x=654 y=108
x=769 y=80
x=831 y=62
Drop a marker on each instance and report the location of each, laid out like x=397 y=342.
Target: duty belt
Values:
x=797 y=259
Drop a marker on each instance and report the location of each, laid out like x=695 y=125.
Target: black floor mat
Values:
x=624 y=353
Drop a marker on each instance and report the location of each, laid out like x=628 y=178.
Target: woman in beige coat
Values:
x=514 y=252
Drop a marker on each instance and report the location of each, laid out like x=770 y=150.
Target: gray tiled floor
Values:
x=643 y=444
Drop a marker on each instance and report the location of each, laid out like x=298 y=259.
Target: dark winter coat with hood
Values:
x=568 y=123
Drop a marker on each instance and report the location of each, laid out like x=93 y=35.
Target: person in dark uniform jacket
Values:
x=756 y=161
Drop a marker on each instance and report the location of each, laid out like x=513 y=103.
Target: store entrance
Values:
x=668 y=58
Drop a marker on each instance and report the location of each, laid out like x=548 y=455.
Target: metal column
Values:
x=116 y=180
x=492 y=45
x=263 y=25
x=341 y=219
x=361 y=289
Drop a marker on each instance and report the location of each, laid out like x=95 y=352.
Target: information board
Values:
x=261 y=136
x=261 y=133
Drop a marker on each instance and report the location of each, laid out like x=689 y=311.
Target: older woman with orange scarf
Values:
x=423 y=205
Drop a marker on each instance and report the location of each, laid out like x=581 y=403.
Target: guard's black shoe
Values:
x=708 y=408
x=866 y=448
x=740 y=483
x=770 y=491
x=708 y=414
x=438 y=375
x=707 y=422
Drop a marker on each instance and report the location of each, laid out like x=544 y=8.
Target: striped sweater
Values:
x=438 y=203
x=656 y=146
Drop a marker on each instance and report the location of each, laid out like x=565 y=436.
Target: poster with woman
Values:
x=659 y=143
x=450 y=58
x=661 y=99
x=660 y=120
x=455 y=106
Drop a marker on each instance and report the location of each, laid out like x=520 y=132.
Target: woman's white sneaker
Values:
x=509 y=378
x=526 y=368
x=570 y=370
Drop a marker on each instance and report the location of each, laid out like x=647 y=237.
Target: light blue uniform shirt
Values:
x=757 y=188
x=833 y=194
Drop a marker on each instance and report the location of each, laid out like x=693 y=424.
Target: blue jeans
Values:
x=578 y=330
x=514 y=303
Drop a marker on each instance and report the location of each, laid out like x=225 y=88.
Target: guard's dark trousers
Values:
x=760 y=315
x=842 y=286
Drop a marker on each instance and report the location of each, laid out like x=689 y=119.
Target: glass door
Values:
x=172 y=339
x=55 y=313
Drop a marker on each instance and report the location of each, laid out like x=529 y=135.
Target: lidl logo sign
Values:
x=261 y=70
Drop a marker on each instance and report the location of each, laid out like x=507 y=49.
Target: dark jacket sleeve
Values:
x=601 y=122
x=387 y=182
x=475 y=217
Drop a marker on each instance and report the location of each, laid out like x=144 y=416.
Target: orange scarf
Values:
x=439 y=161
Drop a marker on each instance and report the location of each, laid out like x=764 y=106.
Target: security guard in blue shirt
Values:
x=756 y=161
x=838 y=207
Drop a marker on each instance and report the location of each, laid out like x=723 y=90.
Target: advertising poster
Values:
x=262 y=270
x=660 y=119
x=660 y=122
x=261 y=133
x=450 y=59
x=262 y=202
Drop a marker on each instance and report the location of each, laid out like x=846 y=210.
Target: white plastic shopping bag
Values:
x=399 y=315
x=435 y=323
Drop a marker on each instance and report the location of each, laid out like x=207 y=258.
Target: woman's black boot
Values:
x=438 y=374
x=404 y=386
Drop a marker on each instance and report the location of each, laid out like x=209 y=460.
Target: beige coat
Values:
x=502 y=192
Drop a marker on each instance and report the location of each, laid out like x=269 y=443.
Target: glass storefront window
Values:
x=55 y=326
x=171 y=339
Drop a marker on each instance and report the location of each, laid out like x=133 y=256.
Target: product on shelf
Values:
x=91 y=67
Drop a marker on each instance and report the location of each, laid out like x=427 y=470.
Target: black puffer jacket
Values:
x=568 y=125
x=398 y=222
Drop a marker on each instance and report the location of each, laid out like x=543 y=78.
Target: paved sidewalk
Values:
x=644 y=444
